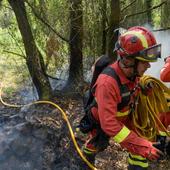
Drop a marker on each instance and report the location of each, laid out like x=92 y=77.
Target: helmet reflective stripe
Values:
x=150 y=55
x=143 y=59
x=140 y=36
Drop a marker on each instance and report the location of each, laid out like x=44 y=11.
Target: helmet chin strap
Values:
x=135 y=68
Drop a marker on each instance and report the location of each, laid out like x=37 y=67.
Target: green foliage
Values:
x=12 y=75
x=92 y=27
x=10 y=38
x=56 y=14
x=157 y=19
x=157 y=14
x=12 y=62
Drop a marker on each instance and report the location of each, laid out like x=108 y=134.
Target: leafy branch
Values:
x=142 y=12
x=128 y=6
x=161 y=29
x=45 y=22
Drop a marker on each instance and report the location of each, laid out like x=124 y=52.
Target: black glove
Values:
x=166 y=58
x=147 y=89
x=161 y=144
x=167 y=148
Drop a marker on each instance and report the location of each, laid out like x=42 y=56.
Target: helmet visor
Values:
x=150 y=54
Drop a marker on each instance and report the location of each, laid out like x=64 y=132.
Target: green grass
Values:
x=12 y=74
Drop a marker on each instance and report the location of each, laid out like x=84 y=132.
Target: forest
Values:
x=48 y=48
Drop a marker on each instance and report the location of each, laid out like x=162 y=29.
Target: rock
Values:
x=40 y=133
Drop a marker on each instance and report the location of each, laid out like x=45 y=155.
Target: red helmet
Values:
x=140 y=43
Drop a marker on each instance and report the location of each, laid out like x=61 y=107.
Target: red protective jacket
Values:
x=107 y=94
x=165 y=71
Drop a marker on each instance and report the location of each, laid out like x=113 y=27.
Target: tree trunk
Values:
x=104 y=32
x=165 y=12
x=34 y=58
x=113 y=24
x=149 y=13
x=76 y=36
x=135 y=7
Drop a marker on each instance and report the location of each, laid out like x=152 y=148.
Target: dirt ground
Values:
x=60 y=152
x=114 y=157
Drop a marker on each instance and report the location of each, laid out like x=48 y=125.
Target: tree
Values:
x=75 y=44
x=113 y=25
x=34 y=58
x=165 y=12
x=104 y=21
x=128 y=14
x=149 y=12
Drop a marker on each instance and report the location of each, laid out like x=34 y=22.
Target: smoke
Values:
x=162 y=37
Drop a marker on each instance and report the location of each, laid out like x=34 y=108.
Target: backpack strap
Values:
x=100 y=65
x=111 y=72
x=124 y=90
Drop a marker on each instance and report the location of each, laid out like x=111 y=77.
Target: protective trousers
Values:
x=98 y=141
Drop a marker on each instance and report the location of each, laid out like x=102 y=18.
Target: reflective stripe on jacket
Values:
x=122 y=135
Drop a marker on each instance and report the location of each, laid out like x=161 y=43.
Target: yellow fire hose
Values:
x=149 y=107
x=64 y=117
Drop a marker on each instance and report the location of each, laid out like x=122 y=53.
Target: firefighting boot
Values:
x=167 y=148
x=137 y=162
x=90 y=154
x=136 y=167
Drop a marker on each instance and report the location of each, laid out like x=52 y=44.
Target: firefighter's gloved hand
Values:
x=166 y=59
x=149 y=85
x=147 y=89
x=154 y=154
x=160 y=143
x=167 y=148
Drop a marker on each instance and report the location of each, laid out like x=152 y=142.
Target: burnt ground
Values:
x=37 y=138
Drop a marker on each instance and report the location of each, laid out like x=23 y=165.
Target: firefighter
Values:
x=115 y=99
x=165 y=77
x=165 y=71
